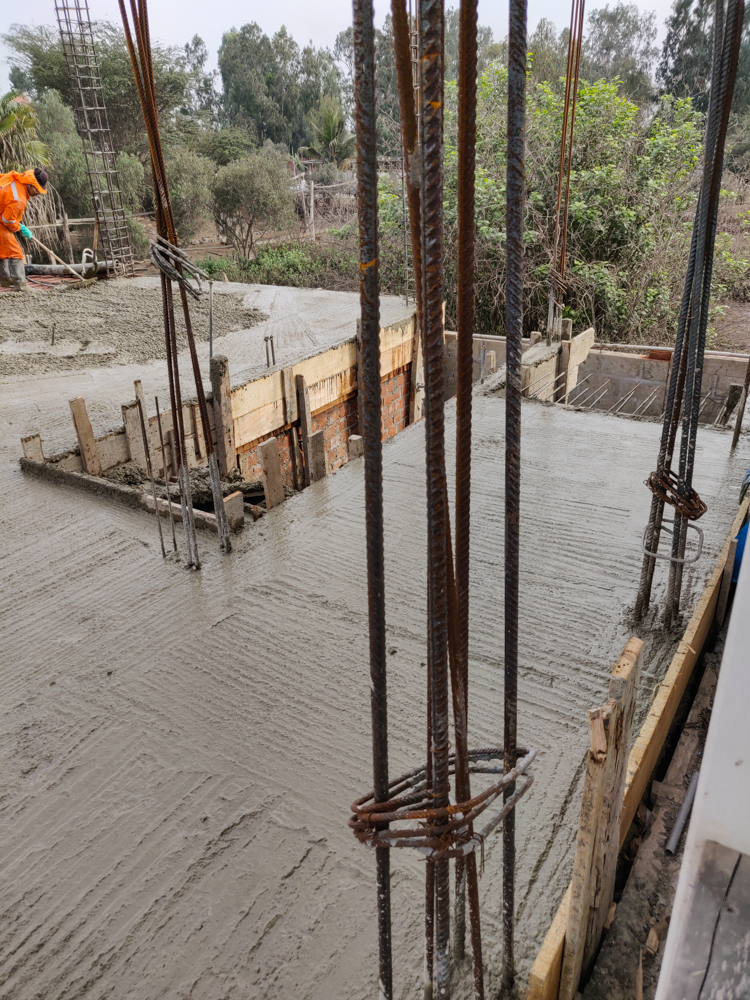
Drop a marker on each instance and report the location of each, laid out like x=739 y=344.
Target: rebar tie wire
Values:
x=172 y=265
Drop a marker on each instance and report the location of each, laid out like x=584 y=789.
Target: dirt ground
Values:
x=733 y=328
x=105 y=323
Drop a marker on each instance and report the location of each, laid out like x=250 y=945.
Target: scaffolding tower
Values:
x=93 y=127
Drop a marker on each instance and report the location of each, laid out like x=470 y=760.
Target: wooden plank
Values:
x=580 y=346
x=416 y=390
x=222 y=400
x=291 y=416
x=623 y=691
x=317 y=456
x=270 y=463
x=132 y=422
x=86 y=440
x=544 y=978
x=650 y=740
x=113 y=449
x=581 y=887
x=545 y=974
x=32 y=448
x=143 y=414
x=305 y=423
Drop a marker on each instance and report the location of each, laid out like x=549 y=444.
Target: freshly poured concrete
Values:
x=180 y=749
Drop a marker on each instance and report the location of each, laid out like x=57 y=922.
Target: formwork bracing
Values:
x=93 y=127
x=433 y=807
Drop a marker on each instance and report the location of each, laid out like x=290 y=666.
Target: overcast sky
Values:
x=176 y=21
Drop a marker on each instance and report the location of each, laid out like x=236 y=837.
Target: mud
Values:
x=180 y=749
x=104 y=323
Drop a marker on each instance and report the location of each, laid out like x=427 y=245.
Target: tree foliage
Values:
x=250 y=196
x=274 y=84
x=332 y=142
x=20 y=146
x=685 y=66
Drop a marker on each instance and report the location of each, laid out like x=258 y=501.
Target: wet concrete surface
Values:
x=180 y=749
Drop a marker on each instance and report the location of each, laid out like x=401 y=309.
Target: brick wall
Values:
x=338 y=423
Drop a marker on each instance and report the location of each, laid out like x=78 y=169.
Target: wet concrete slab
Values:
x=180 y=749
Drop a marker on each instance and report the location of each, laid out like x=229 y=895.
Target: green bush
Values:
x=250 y=196
x=189 y=176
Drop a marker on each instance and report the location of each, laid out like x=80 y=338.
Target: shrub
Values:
x=189 y=176
x=250 y=196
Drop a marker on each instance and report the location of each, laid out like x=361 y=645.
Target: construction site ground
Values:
x=180 y=749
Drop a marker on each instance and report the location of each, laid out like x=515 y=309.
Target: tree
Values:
x=685 y=66
x=548 y=51
x=227 y=144
x=68 y=173
x=620 y=43
x=485 y=43
x=273 y=84
x=38 y=65
x=332 y=142
x=20 y=147
x=189 y=177
x=250 y=196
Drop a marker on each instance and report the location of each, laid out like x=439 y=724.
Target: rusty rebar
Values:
x=466 y=871
x=431 y=31
x=367 y=205
x=515 y=206
x=409 y=137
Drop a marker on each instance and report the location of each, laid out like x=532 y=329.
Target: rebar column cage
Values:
x=93 y=127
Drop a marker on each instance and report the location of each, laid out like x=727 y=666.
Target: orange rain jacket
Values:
x=13 y=198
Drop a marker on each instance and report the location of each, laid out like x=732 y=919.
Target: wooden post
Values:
x=222 y=406
x=291 y=416
x=86 y=439
x=270 y=463
x=132 y=420
x=593 y=883
x=139 y=396
x=32 y=448
x=416 y=391
x=305 y=424
x=317 y=456
x=566 y=327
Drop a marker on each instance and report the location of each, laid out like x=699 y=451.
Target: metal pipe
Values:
x=682 y=815
x=273 y=351
x=515 y=207
x=369 y=291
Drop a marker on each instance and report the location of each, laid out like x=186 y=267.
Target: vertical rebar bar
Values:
x=367 y=204
x=515 y=205
x=431 y=35
x=467 y=107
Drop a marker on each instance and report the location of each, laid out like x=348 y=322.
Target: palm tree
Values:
x=332 y=142
x=20 y=147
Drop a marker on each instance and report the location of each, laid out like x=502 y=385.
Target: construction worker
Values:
x=15 y=190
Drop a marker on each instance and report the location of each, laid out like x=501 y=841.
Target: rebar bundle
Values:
x=93 y=127
x=686 y=370
x=172 y=263
x=433 y=807
x=557 y=266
